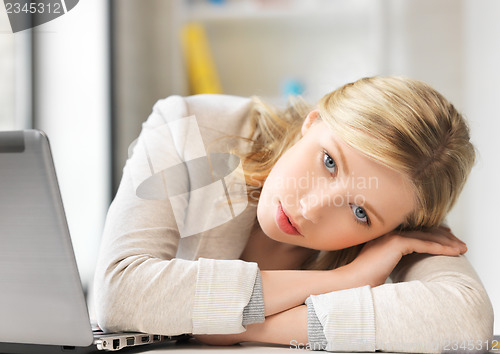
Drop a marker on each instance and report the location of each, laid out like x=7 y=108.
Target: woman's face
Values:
x=323 y=194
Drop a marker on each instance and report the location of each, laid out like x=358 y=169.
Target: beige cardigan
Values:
x=151 y=279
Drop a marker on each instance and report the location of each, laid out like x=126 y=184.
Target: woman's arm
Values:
x=439 y=302
x=435 y=302
x=288 y=328
x=286 y=289
x=140 y=284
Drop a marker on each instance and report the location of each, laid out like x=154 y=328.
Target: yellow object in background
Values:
x=202 y=73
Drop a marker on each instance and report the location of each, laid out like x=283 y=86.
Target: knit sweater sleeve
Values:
x=139 y=283
x=434 y=304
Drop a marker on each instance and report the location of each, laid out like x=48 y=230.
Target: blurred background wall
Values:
x=91 y=77
x=56 y=78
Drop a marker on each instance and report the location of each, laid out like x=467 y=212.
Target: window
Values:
x=15 y=76
x=6 y=73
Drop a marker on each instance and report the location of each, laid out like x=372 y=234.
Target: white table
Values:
x=192 y=346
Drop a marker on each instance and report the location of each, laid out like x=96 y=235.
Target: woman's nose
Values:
x=312 y=206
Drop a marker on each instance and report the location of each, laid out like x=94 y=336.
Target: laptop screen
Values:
x=41 y=300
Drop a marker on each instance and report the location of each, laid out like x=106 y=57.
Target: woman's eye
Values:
x=359 y=213
x=329 y=162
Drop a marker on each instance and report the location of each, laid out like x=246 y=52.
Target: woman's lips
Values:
x=283 y=222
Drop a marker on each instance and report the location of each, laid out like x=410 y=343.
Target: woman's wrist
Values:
x=286 y=289
x=283 y=290
x=281 y=328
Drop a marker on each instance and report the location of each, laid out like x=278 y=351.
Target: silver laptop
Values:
x=42 y=304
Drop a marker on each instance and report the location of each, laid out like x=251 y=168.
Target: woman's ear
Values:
x=311 y=118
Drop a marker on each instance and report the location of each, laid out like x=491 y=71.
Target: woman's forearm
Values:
x=286 y=289
x=286 y=327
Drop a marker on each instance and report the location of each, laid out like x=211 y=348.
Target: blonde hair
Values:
x=273 y=132
x=401 y=123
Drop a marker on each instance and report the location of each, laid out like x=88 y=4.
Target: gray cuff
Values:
x=315 y=334
x=254 y=310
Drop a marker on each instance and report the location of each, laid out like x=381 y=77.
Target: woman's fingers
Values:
x=378 y=257
x=449 y=239
x=440 y=236
x=444 y=227
x=436 y=248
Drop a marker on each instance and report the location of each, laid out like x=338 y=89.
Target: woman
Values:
x=340 y=196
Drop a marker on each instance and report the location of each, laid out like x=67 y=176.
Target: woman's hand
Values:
x=380 y=256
